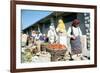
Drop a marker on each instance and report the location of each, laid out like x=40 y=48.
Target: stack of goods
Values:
x=42 y=57
x=26 y=56
x=45 y=56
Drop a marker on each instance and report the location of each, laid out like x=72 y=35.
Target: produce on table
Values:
x=27 y=56
x=56 y=46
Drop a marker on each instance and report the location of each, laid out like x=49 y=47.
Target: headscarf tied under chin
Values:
x=76 y=22
x=61 y=26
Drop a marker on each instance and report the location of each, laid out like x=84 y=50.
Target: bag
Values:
x=71 y=34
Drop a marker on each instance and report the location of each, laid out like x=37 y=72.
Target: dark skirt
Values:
x=76 y=47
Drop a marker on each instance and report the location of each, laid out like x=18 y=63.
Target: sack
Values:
x=72 y=33
x=72 y=38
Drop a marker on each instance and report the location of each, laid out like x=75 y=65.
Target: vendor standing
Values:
x=62 y=34
x=52 y=34
x=74 y=32
x=24 y=39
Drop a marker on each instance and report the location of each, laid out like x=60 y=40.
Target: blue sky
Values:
x=29 y=17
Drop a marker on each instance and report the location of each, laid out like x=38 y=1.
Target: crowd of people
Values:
x=57 y=35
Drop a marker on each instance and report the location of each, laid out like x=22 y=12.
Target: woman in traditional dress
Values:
x=62 y=34
x=74 y=32
x=52 y=35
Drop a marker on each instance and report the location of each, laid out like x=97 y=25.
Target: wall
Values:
x=5 y=36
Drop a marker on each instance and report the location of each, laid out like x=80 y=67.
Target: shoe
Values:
x=71 y=59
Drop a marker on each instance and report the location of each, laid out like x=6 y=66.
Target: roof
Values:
x=30 y=17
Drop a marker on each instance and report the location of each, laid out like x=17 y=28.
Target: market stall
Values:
x=57 y=51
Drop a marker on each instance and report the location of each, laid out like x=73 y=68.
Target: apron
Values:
x=75 y=45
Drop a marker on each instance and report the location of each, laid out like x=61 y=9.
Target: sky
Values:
x=29 y=17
